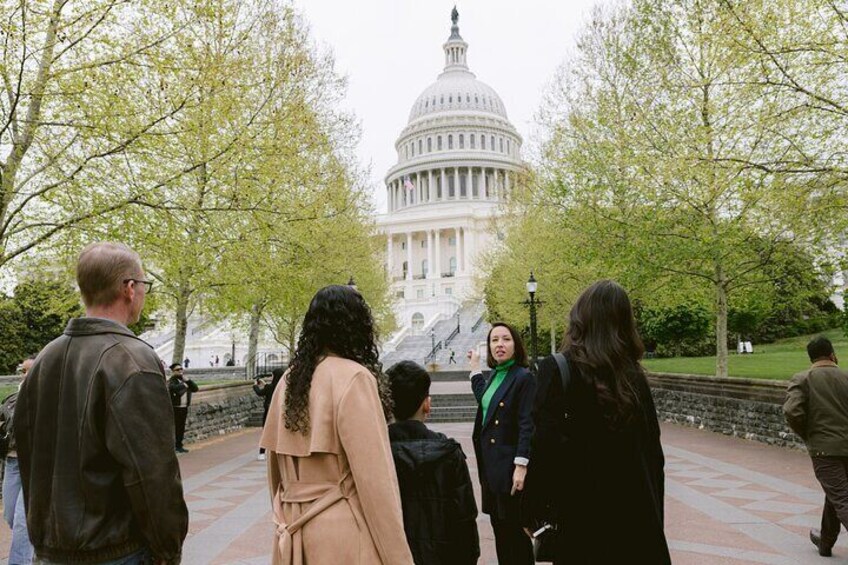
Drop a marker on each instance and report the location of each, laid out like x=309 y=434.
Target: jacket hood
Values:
x=414 y=446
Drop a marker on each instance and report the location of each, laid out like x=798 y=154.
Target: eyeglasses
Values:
x=148 y=285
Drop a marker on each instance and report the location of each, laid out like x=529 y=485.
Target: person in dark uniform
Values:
x=180 y=390
x=266 y=391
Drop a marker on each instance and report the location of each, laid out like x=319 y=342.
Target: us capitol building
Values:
x=457 y=160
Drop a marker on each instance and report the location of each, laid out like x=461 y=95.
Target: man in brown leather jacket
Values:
x=816 y=409
x=95 y=430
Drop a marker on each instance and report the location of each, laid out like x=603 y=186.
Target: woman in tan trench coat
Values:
x=333 y=485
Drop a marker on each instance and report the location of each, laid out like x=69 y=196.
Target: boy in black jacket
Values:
x=439 y=511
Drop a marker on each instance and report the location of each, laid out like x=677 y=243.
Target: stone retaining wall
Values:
x=746 y=408
x=220 y=409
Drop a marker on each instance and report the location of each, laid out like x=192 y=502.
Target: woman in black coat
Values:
x=597 y=460
x=503 y=430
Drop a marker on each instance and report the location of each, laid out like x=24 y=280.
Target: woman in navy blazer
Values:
x=503 y=429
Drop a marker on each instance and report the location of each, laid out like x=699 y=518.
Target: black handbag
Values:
x=546 y=538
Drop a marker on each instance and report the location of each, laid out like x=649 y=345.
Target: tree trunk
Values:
x=721 y=322
x=253 y=340
x=181 y=326
x=292 y=338
x=9 y=169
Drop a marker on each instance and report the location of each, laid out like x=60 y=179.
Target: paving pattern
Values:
x=728 y=501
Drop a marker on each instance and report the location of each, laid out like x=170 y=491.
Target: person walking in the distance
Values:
x=439 y=511
x=266 y=391
x=816 y=409
x=95 y=430
x=334 y=491
x=21 y=552
x=180 y=390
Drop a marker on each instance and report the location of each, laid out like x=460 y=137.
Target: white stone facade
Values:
x=458 y=160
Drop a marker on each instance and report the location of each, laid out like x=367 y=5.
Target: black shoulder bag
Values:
x=546 y=538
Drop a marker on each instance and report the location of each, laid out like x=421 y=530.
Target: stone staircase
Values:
x=453 y=408
x=416 y=347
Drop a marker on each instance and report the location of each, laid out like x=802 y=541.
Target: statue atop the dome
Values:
x=455 y=16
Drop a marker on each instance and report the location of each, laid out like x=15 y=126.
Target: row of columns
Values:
x=492 y=184
x=434 y=259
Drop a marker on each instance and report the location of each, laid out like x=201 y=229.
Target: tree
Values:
x=33 y=316
x=78 y=79
x=650 y=133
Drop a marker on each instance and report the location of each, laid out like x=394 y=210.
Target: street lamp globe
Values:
x=531 y=284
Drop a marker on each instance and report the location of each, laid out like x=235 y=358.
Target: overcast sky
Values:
x=391 y=50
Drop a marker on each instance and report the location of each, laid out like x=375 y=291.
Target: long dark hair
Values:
x=520 y=354
x=338 y=321
x=603 y=341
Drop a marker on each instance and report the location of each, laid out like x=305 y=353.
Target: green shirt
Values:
x=498 y=378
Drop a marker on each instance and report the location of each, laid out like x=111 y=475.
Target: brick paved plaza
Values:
x=727 y=501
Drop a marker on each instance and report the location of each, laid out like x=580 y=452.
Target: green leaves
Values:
x=678 y=164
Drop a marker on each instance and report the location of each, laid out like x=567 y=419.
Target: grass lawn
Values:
x=779 y=360
x=6 y=390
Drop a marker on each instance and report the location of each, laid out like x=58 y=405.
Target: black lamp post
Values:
x=531 y=290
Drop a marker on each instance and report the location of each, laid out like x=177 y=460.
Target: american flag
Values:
x=407 y=183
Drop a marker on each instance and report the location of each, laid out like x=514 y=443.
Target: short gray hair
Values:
x=101 y=270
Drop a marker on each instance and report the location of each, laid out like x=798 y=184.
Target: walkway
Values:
x=727 y=501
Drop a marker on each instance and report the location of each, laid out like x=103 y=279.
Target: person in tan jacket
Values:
x=332 y=478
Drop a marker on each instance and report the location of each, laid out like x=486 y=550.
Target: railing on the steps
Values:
x=432 y=355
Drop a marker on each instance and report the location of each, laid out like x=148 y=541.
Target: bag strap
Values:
x=564 y=372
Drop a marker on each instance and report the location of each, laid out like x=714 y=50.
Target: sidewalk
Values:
x=727 y=501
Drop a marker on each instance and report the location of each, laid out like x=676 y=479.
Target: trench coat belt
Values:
x=320 y=497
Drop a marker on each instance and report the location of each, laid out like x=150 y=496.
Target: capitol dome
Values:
x=457 y=91
x=458 y=162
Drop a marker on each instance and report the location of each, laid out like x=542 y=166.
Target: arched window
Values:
x=471 y=140
x=439 y=143
x=450 y=99
x=424 y=268
x=420 y=143
x=501 y=140
x=442 y=100
x=452 y=265
x=412 y=148
x=482 y=142
x=405 y=269
x=492 y=139
x=417 y=322
x=450 y=141
x=429 y=145
x=461 y=141
x=508 y=150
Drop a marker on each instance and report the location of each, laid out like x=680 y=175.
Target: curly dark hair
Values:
x=338 y=322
